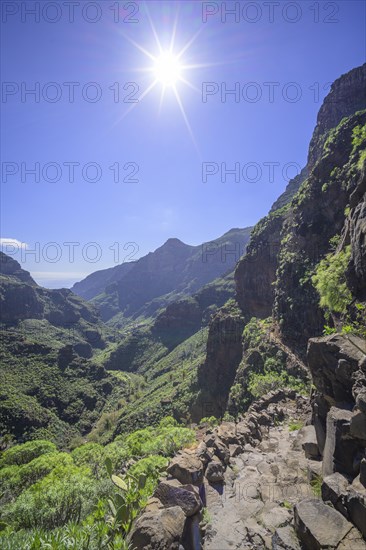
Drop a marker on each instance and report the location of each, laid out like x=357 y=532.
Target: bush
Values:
x=21 y=454
x=330 y=282
x=66 y=494
x=260 y=384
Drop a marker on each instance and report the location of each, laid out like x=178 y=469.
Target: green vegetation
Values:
x=316 y=485
x=293 y=426
x=260 y=384
x=330 y=282
x=53 y=497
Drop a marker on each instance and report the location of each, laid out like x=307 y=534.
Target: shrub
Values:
x=66 y=494
x=260 y=384
x=21 y=454
x=330 y=282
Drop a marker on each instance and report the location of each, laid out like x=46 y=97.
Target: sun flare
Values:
x=167 y=69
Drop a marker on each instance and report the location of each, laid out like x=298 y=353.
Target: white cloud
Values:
x=13 y=243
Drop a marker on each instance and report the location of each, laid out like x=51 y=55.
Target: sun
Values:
x=167 y=69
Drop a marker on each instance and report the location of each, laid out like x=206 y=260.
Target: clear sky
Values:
x=171 y=152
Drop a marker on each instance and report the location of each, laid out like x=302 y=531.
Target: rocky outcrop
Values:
x=275 y=275
x=356 y=235
x=346 y=96
x=256 y=271
x=216 y=375
x=338 y=367
x=178 y=322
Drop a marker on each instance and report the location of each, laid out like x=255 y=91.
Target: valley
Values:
x=134 y=405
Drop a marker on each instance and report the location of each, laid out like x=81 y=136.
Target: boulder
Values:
x=340 y=449
x=215 y=472
x=183 y=496
x=356 y=505
x=309 y=442
x=235 y=450
x=203 y=453
x=227 y=432
x=221 y=451
x=358 y=425
x=285 y=538
x=332 y=361
x=334 y=490
x=160 y=530
x=243 y=433
x=318 y=525
x=187 y=468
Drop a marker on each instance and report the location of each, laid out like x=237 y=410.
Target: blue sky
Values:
x=300 y=49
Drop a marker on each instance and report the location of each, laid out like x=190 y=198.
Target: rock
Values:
x=221 y=451
x=285 y=538
x=187 y=468
x=363 y=472
x=334 y=490
x=340 y=449
x=203 y=453
x=235 y=450
x=319 y=419
x=315 y=469
x=356 y=505
x=160 y=530
x=318 y=525
x=352 y=541
x=361 y=401
x=227 y=432
x=215 y=472
x=183 y=496
x=358 y=425
x=153 y=505
x=243 y=433
x=329 y=375
x=309 y=442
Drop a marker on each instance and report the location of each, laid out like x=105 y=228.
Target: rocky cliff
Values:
x=275 y=275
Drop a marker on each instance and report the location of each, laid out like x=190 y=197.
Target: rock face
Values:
x=216 y=375
x=336 y=365
x=346 y=96
x=256 y=271
x=356 y=276
x=292 y=239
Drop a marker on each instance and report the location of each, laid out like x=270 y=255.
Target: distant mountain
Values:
x=57 y=314
x=172 y=271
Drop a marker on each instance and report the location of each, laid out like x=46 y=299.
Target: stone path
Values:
x=261 y=487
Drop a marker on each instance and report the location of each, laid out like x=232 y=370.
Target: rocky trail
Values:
x=261 y=486
x=256 y=484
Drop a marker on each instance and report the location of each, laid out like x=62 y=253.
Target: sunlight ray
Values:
x=186 y=120
x=189 y=43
